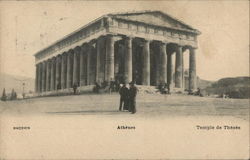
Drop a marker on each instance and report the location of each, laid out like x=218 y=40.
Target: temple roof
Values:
x=154 y=18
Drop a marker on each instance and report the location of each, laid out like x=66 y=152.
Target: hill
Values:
x=203 y=83
x=10 y=82
x=238 y=87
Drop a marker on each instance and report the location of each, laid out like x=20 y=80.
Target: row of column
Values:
x=165 y=68
x=75 y=66
x=63 y=71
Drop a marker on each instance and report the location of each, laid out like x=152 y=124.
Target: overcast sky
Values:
x=28 y=26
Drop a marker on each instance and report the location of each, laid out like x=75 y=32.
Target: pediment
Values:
x=155 y=18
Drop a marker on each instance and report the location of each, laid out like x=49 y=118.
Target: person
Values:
x=132 y=97
x=168 y=88
x=123 y=91
x=117 y=85
x=198 y=92
x=111 y=85
x=58 y=86
x=74 y=88
x=97 y=87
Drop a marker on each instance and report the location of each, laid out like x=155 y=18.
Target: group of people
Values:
x=164 y=88
x=112 y=86
x=128 y=97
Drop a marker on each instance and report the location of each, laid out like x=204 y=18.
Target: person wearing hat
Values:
x=132 y=97
x=123 y=91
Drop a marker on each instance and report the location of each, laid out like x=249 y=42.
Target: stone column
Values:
x=98 y=58
x=63 y=71
x=163 y=63
x=192 y=70
x=44 y=77
x=40 y=77
x=182 y=68
x=48 y=75
x=110 y=65
x=52 y=74
x=36 y=81
x=128 y=60
x=169 y=69
x=179 y=68
x=89 y=51
x=118 y=52
x=157 y=61
x=146 y=64
x=76 y=66
x=69 y=69
x=58 y=72
x=83 y=66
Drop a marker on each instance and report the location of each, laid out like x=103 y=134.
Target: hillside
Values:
x=238 y=87
x=203 y=83
x=10 y=82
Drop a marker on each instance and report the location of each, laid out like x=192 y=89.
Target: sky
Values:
x=223 y=47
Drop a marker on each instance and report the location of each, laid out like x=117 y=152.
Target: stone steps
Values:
x=89 y=89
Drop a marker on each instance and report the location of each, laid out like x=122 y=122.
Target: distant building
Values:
x=133 y=46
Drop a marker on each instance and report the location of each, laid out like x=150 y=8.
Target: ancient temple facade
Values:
x=123 y=47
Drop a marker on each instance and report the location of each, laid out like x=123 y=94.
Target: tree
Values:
x=4 y=97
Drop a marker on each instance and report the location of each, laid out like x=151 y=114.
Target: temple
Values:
x=124 y=47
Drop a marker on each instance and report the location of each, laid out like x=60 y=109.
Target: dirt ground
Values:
x=149 y=105
x=85 y=127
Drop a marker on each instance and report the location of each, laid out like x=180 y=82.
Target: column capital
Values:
x=64 y=53
x=77 y=49
x=101 y=38
x=192 y=48
x=113 y=38
x=146 y=40
x=53 y=58
x=180 y=45
x=70 y=51
x=161 y=42
x=50 y=59
x=87 y=46
x=45 y=62
x=84 y=46
x=110 y=35
x=128 y=37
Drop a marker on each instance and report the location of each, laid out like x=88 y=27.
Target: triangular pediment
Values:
x=155 y=18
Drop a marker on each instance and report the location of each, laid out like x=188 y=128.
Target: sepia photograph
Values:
x=124 y=79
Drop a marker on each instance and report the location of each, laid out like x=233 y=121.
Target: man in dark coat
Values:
x=123 y=91
x=132 y=97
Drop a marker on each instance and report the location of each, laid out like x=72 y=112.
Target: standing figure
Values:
x=123 y=91
x=97 y=87
x=111 y=85
x=168 y=88
x=74 y=88
x=132 y=97
x=58 y=86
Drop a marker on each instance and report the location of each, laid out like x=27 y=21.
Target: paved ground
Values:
x=148 y=105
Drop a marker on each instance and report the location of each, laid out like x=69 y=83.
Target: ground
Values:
x=85 y=126
x=147 y=105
